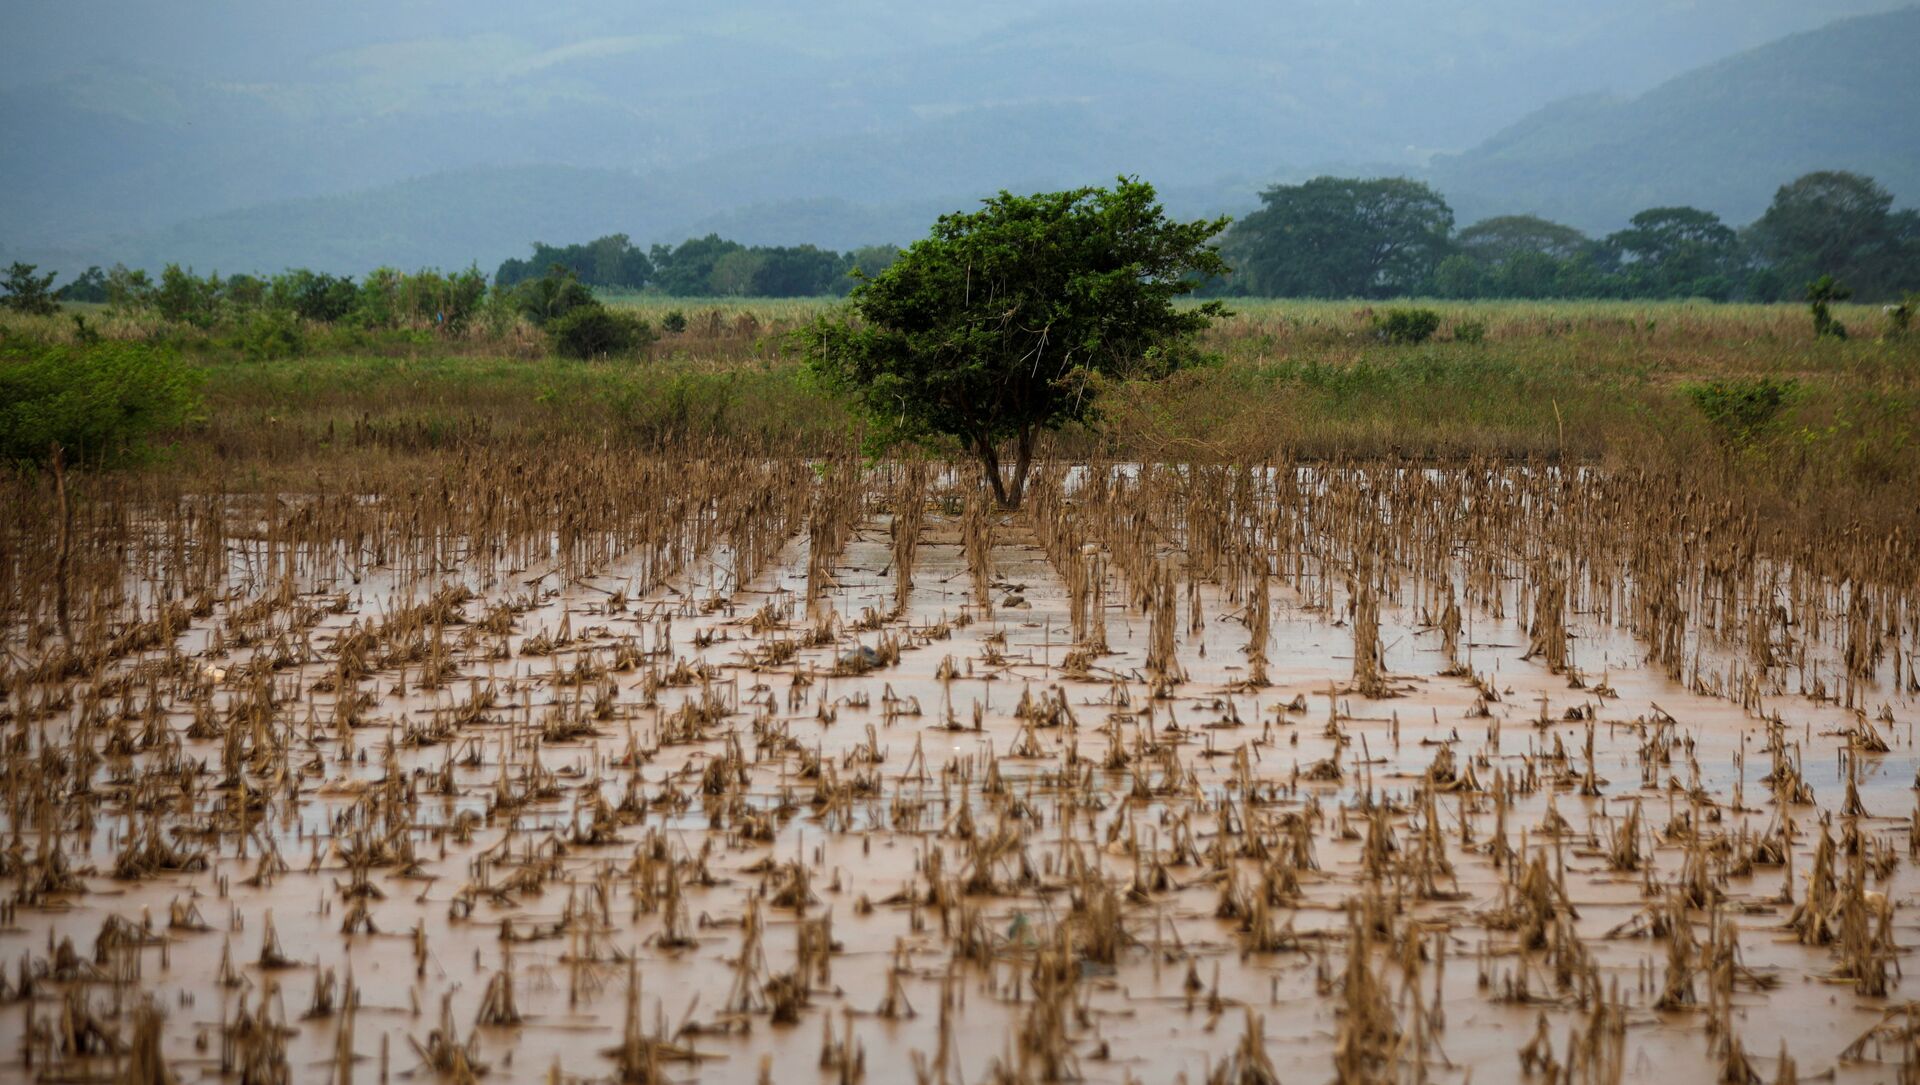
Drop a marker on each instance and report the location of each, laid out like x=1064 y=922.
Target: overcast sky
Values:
x=125 y=117
x=334 y=41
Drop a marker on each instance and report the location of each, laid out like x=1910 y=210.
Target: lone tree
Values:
x=994 y=326
x=26 y=292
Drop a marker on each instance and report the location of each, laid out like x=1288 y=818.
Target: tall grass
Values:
x=1602 y=383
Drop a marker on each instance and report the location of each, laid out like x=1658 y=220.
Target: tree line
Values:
x=270 y=315
x=1330 y=237
x=1335 y=237
x=709 y=266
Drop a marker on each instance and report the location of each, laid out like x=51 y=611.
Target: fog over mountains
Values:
x=255 y=135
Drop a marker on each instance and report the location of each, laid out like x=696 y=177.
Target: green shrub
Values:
x=1407 y=325
x=1741 y=410
x=99 y=401
x=674 y=322
x=1900 y=317
x=1821 y=294
x=552 y=296
x=1470 y=331
x=273 y=333
x=594 y=331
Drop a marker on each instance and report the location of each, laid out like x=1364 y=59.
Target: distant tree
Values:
x=616 y=263
x=997 y=325
x=27 y=292
x=612 y=262
x=1834 y=223
x=1337 y=237
x=1460 y=276
x=1677 y=252
x=313 y=295
x=128 y=289
x=245 y=291
x=187 y=299
x=89 y=286
x=799 y=271
x=868 y=260
x=1498 y=239
x=687 y=270
x=735 y=274
x=378 y=304
x=513 y=271
x=1518 y=256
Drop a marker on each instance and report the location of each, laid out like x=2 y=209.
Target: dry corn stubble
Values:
x=620 y=748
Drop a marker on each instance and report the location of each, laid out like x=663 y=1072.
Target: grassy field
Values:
x=1604 y=383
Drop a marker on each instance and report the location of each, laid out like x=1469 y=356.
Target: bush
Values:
x=1741 y=411
x=1900 y=317
x=1470 y=331
x=674 y=322
x=1821 y=294
x=1407 y=325
x=593 y=331
x=552 y=296
x=274 y=333
x=100 y=401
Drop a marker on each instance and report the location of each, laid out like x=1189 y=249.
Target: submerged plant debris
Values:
x=570 y=765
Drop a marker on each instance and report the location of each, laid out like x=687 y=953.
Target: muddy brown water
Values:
x=869 y=853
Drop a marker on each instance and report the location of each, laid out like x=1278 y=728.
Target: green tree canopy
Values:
x=1840 y=224
x=1677 y=252
x=1335 y=237
x=686 y=270
x=612 y=262
x=1504 y=237
x=26 y=292
x=91 y=285
x=313 y=295
x=1520 y=256
x=993 y=327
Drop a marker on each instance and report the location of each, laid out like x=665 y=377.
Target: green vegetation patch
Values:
x=101 y=402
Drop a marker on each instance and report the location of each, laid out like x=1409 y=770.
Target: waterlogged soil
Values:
x=834 y=784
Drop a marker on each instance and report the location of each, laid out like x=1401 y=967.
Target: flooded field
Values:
x=589 y=768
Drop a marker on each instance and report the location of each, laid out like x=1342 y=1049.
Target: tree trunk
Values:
x=990 y=460
x=1022 y=461
x=1007 y=493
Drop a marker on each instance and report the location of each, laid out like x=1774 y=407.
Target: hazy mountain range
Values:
x=341 y=136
